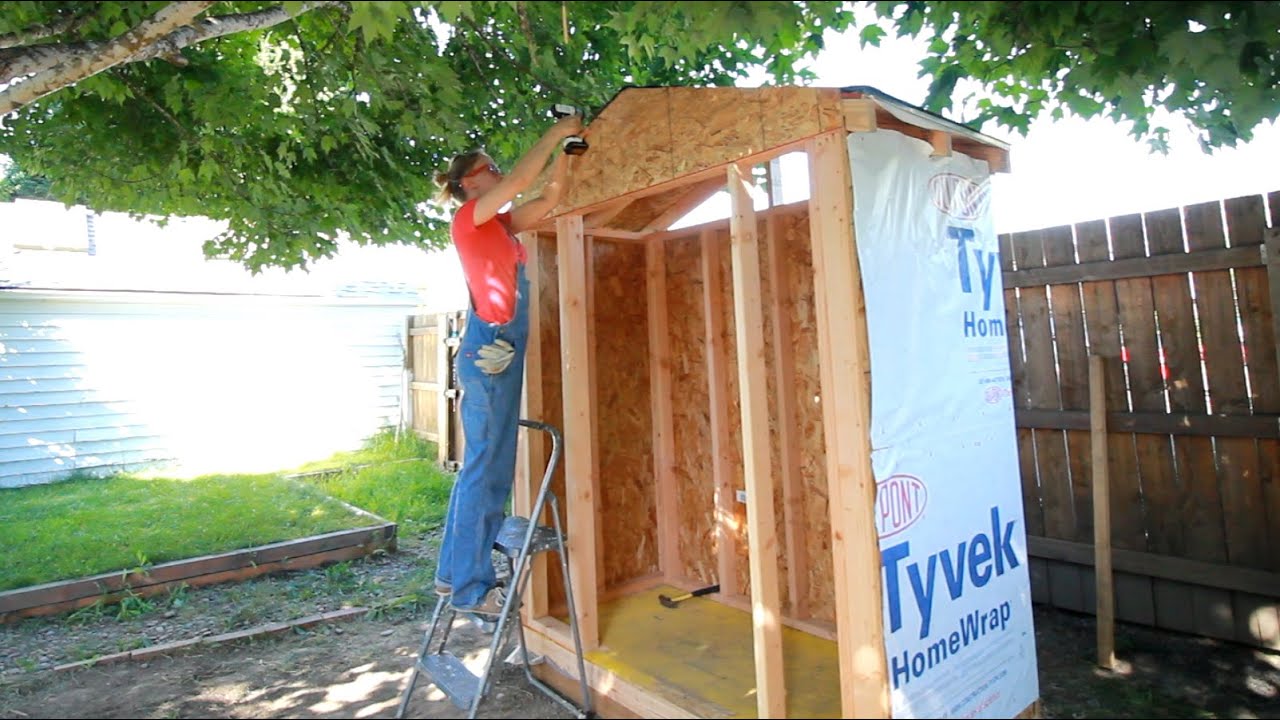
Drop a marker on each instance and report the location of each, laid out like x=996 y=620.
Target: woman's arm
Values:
x=528 y=214
x=526 y=171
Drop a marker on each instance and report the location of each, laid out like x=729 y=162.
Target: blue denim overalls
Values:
x=490 y=420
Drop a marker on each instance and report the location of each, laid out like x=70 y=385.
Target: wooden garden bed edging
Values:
x=63 y=596
x=169 y=648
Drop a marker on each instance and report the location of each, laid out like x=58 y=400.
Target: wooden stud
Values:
x=660 y=406
x=533 y=455
x=717 y=382
x=784 y=383
x=590 y=247
x=771 y=700
x=1106 y=609
x=941 y=142
x=859 y=115
x=579 y=460
x=846 y=412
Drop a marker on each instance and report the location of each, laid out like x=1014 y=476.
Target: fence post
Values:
x=442 y=384
x=1105 y=612
x=1271 y=256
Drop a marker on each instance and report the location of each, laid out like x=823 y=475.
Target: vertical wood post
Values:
x=762 y=528
x=442 y=388
x=579 y=463
x=718 y=414
x=1105 y=613
x=660 y=405
x=784 y=384
x=532 y=464
x=846 y=416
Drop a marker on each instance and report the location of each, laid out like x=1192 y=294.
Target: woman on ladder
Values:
x=491 y=355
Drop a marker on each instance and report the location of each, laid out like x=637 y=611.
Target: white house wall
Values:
x=99 y=382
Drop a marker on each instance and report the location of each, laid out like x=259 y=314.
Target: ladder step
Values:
x=452 y=677
x=511 y=537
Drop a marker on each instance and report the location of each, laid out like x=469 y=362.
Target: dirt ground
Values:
x=358 y=668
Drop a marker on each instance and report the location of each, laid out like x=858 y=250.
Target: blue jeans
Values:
x=490 y=420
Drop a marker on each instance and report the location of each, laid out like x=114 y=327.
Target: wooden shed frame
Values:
x=656 y=154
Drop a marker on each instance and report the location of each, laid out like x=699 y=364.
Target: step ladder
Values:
x=518 y=541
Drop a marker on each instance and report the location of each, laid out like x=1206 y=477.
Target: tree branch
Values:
x=40 y=32
x=56 y=66
x=523 y=11
x=74 y=68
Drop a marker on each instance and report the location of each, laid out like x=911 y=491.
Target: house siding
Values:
x=105 y=382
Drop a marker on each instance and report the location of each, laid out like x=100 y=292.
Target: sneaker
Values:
x=489 y=607
x=443 y=589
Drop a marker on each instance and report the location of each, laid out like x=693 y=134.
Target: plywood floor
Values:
x=700 y=656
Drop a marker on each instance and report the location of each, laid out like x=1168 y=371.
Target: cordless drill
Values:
x=572 y=145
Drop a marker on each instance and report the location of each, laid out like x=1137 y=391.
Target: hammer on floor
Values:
x=673 y=602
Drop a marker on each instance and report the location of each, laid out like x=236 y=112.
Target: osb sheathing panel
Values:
x=630 y=148
x=641 y=211
x=713 y=126
x=691 y=431
x=788 y=113
x=648 y=136
x=624 y=428
x=548 y=300
x=815 y=520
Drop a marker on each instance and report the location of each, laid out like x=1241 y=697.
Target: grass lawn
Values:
x=86 y=526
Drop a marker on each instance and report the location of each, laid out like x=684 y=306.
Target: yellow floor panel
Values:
x=699 y=655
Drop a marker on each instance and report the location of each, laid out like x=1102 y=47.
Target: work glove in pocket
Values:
x=495 y=357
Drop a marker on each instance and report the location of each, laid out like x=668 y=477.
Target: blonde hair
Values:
x=450 y=181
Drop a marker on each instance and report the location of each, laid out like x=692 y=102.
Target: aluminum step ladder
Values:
x=518 y=541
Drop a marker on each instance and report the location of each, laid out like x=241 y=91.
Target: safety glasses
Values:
x=490 y=167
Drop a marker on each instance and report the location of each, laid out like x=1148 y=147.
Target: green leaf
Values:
x=871 y=35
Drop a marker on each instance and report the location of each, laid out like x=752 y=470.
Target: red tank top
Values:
x=489 y=255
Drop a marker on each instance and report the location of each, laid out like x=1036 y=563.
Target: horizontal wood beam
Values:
x=793 y=208
x=1195 y=572
x=616 y=234
x=716 y=171
x=1250 y=426
x=1172 y=264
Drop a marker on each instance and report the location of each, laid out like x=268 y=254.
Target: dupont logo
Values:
x=900 y=502
x=959 y=197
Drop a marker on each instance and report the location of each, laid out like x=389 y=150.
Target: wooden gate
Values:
x=433 y=398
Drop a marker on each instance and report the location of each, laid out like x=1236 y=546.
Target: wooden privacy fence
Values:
x=432 y=396
x=1179 y=303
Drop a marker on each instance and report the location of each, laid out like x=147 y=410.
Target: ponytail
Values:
x=450 y=181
